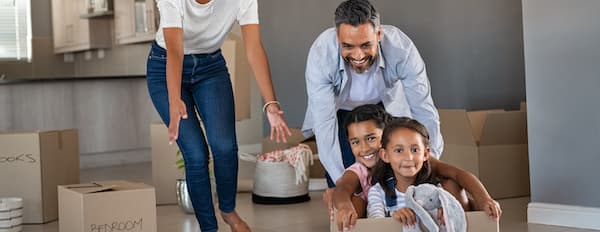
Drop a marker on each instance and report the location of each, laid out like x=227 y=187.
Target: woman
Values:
x=187 y=76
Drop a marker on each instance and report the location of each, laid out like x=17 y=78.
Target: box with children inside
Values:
x=477 y=221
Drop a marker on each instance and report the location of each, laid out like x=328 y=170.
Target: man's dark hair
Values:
x=356 y=12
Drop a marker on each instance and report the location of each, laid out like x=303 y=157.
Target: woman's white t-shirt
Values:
x=205 y=26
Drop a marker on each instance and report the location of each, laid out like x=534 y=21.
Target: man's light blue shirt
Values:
x=403 y=87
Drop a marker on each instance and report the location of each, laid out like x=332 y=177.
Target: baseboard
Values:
x=564 y=215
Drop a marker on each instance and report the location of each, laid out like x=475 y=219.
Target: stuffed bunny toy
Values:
x=425 y=199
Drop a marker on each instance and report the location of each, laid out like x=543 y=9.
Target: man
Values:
x=362 y=62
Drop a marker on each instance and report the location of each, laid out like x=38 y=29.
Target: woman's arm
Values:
x=255 y=53
x=483 y=200
x=177 y=111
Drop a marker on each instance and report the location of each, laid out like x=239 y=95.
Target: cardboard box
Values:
x=240 y=74
x=492 y=145
x=296 y=138
x=164 y=171
x=523 y=106
x=317 y=170
x=477 y=221
x=33 y=164
x=107 y=206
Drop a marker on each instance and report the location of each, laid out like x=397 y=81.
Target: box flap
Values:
x=455 y=127
x=89 y=188
x=477 y=119
x=501 y=128
x=523 y=106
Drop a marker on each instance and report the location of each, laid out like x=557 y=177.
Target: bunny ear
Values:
x=409 y=196
x=451 y=208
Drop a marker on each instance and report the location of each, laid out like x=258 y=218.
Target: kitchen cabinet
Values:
x=135 y=21
x=72 y=33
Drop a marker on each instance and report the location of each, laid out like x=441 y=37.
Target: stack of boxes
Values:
x=42 y=169
x=33 y=164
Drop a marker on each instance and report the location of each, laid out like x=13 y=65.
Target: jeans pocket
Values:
x=157 y=56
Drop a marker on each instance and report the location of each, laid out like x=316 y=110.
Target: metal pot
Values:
x=183 y=197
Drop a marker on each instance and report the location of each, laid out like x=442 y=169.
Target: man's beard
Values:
x=369 y=61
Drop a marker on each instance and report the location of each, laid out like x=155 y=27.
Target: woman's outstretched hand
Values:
x=279 y=128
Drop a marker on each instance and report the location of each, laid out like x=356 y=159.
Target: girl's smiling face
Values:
x=365 y=142
x=406 y=153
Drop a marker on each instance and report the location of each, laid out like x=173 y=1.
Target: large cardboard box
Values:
x=164 y=171
x=492 y=145
x=477 y=221
x=296 y=138
x=240 y=74
x=107 y=206
x=33 y=164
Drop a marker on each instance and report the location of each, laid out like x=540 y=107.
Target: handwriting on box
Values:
x=129 y=225
x=22 y=158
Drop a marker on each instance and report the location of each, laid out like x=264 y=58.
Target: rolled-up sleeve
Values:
x=418 y=94
x=321 y=104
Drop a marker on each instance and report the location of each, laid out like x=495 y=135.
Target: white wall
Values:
x=562 y=64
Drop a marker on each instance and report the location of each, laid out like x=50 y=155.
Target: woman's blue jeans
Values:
x=206 y=91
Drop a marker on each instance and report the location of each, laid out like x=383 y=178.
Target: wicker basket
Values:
x=282 y=181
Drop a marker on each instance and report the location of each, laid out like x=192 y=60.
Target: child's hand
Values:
x=346 y=217
x=328 y=199
x=406 y=216
x=492 y=208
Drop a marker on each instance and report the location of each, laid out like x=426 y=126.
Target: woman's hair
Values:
x=369 y=112
x=383 y=171
x=356 y=12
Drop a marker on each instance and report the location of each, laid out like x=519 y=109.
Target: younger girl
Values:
x=404 y=161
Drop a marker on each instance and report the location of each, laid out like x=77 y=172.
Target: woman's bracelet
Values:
x=267 y=104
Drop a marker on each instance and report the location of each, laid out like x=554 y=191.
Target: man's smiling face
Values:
x=359 y=45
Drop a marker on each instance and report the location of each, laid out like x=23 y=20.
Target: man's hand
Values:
x=177 y=111
x=279 y=128
x=406 y=216
x=346 y=217
x=328 y=199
